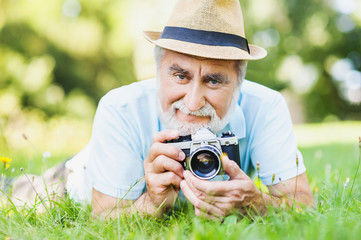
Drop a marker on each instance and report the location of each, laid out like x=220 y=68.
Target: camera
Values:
x=203 y=150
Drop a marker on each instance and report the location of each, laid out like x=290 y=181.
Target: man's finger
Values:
x=202 y=195
x=232 y=169
x=197 y=203
x=162 y=136
x=200 y=213
x=168 y=150
x=211 y=188
x=163 y=163
x=164 y=179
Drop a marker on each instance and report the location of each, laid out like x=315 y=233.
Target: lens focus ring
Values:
x=205 y=162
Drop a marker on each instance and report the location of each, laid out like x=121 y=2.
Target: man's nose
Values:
x=195 y=98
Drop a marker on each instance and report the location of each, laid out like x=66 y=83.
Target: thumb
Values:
x=232 y=169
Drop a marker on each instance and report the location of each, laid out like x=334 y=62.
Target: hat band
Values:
x=205 y=37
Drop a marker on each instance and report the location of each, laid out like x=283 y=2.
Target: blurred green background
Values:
x=59 y=57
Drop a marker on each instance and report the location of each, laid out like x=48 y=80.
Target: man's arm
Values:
x=163 y=174
x=285 y=192
x=221 y=198
x=110 y=207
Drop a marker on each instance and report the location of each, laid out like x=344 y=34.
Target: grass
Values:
x=331 y=156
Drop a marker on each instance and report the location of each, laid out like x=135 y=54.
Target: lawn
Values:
x=331 y=155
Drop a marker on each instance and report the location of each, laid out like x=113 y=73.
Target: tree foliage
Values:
x=61 y=56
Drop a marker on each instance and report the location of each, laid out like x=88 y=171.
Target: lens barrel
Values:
x=205 y=162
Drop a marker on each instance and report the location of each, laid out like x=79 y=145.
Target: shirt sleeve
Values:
x=115 y=165
x=274 y=144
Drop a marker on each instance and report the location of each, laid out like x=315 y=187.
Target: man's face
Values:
x=196 y=92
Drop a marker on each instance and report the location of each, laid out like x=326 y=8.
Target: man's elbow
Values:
x=106 y=207
x=305 y=199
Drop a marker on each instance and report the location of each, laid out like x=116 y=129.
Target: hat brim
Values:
x=206 y=51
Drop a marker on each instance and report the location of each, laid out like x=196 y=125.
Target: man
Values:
x=201 y=58
x=201 y=62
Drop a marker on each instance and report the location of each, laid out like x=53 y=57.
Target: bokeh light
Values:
x=349 y=80
x=344 y=6
x=59 y=57
x=71 y=8
x=345 y=24
x=268 y=38
x=300 y=76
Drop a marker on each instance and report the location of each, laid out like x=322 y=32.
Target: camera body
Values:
x=203 y=150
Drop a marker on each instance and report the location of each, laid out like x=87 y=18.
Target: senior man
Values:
x=201 y=59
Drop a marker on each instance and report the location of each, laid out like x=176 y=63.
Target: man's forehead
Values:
x=172 y=55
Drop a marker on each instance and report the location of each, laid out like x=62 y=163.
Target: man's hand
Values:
x=163 y=172
x=215 y=199
x=221 y=198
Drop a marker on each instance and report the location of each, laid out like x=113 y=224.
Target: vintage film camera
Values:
x=203 y=150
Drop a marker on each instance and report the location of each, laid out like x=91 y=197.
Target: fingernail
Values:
x=224 y=155
x=181 y=156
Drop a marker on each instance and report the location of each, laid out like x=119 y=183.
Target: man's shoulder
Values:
x=258 y=92
x=134 y=93
x=259 y=100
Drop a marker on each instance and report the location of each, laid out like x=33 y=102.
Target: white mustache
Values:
x=206 y=111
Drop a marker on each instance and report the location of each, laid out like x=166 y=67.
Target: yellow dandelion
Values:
x=7 y=166
x=5 y=159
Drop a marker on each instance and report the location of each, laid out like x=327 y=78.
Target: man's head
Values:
x=201 y=59
x=197 y=92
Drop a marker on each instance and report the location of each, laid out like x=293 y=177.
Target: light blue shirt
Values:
x=127 y=119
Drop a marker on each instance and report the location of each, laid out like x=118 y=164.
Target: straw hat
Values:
x=209 y=29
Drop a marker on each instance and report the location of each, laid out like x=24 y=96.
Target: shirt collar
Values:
x=237 y=124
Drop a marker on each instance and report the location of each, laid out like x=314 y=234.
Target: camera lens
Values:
x=205 y=162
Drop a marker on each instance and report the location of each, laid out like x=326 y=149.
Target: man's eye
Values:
x=181 y=77
x=214 y=82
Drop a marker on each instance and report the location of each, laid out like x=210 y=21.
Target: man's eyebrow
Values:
x=218 y=77
x=177 y=68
